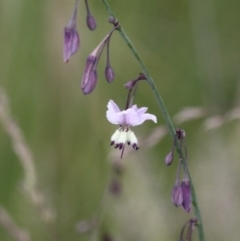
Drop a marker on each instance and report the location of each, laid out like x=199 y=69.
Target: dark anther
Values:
x=135 y=147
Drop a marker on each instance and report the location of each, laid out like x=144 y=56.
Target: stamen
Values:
x=112 y=143
x=135 y=147
x=122 y=152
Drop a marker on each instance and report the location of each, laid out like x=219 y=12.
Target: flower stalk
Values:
x=166 y=116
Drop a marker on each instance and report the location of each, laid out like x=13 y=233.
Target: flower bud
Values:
x=91 y=83
x=187 y=196
x=71 y=37
x=130 y=84
x=71 y=43
x=111 y=19
x=169 y=158
x=187 y=229
x=91 y=23
x=109 y=74
x=88 y=77
x=177 y=195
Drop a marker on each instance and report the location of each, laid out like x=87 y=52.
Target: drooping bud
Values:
x=187 y=229
x=91 y=23
x=109 y=74
x=177 y=195
x=89 y=79
x=169 y=158
x=89 y=69
x=130 y=84
x=186 y=193
x=91 y=84
x=71 y=37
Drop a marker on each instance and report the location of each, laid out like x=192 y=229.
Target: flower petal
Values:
x=130 y=117
x=113 y=118
x=112 y=106
x=147 y=116
x=141 y=111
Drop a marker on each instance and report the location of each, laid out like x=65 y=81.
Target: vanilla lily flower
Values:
x=125 y=119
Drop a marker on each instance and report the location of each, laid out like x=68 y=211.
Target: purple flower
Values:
x=89 y=75
x=71 y=37
x=126 y=118
x=91 y=23
x=89 y=78
x=109 y=74
x=177 y=195
x=187 y=196
x=169 y=158
x=91 y=84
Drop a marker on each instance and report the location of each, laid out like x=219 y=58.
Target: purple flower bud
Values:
x=169 y=158
x=71 y=37
x=71 y=43
x=91 y=83
x=130 y=84
x=89 y=79
x=111 y=19
x=91 y=23
x=109 y=74
x=90 y=66
x=187 y=196
x=177 y=195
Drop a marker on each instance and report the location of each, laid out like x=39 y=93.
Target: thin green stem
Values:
x=167 y=118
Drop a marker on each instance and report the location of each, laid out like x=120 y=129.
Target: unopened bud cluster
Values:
x=181 y=192
x=91 y=66
x=71 y=36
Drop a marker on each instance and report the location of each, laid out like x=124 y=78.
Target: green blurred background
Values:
x=192 y=50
